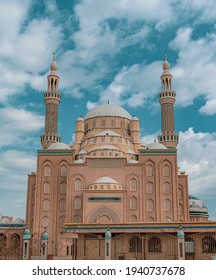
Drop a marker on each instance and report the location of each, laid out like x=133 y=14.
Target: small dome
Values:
x=132 y=161
x=19 y=221
x=27 y=234
x=180 y=234
x=108 y=235
x=106 y=180
x=59 y=146
x=45 y=236
x=135 y=118
x=80 y=119
x=108 y=110
x=80 y=161
x=156 y=146
x=166 y=65
x=197 y=207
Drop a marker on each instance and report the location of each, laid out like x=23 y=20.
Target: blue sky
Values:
x=106 y=51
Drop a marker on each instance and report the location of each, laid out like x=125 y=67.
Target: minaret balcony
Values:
x=167 y=94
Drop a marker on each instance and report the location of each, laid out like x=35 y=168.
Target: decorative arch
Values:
x=77 y=219
x=45 y=221
x=133 y=218
x=61 y=221
x=167 y=187
x=46 y=188
x=135 y=244
x=155 y=245
x=62 y=205
x=150 y=187
x=133 y=203
x=47 y=168
x=208 y=244
x=77 y=203
x=166 y=166
x=180 y=192
x=80 y=179
x=101 y=211
x=132 y=182
x=45 y=205
x=150 y=205
x=167 y=205
x=150 y=167
x=63 y=170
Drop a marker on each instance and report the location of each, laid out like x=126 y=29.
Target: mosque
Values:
x=108 y=195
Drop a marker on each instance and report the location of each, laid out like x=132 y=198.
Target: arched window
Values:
x=62 y=205
x=47 y=170
x=133 y=218
x=46 y=187
x=45 y=205
x=133 y=203
x=94 y=123
x=63 y=170
x=77 y=185
x=133 y=184
x=149 y=170
x=154 y=245
x=45 y=222
x=135 y=244
x=208 y=244
x=103 y=122
x=150 y=205
x=166 y=170
x=167 y=205
x=150 y=187
x=63 y=188
x=180 y=193
x=181 y=209
x=166 y=188
x=61 y=221
x=77 y=219
x=77 y=202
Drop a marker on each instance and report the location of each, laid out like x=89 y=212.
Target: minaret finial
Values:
x=165 y=56
x=54 y=56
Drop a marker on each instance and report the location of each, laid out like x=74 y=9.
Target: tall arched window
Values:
x=45 y=205
x=133 y=184
x=77 y=202
x=150 y=205
x=45 y=222
x=135 y=244
x=63 y=188
x=166 y=170
x=46 y=187
x=167 y=205
x=150 y=187
x=166 y=188
x=133 y=203
x=154 y=245
x=77 y=185
x=208 y=244
x=62 y=205
x=63 y=170
x=149 y=170
x=47 y=170
x=77 y=219
x=61 y=221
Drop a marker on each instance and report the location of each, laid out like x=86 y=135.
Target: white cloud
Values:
x=18 y=125
x=14 y=166
x=194 y=72
x=134 y=86
x=197 y=158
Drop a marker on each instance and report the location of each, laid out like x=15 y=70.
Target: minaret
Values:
x=166 y=97
x=52 y=99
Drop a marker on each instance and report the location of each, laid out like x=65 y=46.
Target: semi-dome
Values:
x=197 y=206
x=106 y=180
x=59 y=146
x=108 y=110
x=156 y=146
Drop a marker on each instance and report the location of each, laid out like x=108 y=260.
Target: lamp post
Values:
x=108 y=237
x=44 y=242
x=181 y=244
x=26 y=241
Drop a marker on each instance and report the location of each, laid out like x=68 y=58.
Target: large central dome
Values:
x=108 y=110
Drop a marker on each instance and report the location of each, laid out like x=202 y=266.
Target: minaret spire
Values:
x=52 y=98
x=166 y=97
